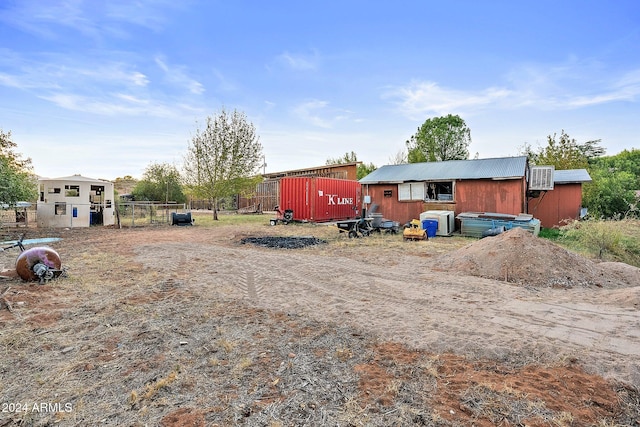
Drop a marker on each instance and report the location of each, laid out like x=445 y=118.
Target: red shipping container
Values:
x=315 y=199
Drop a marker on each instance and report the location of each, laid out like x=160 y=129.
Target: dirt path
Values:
x=177 y=326
x=399 y=299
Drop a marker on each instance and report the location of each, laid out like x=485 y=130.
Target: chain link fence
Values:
x=138 y=214
x=18 y=217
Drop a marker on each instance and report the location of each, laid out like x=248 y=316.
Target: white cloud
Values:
x=89 y=18
x=178 y=76
x=421 y=98
x=309 y=112
x=10 y=81
x=223 y=83
x=561 y=87
x=120 y=104
x=298 y=62
x=626 y=88
x=318 y=113
x=139 y=79
x=62 y=71
x=144 y=13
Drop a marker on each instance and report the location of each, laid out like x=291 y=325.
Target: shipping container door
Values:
x=336 y=199
x=294 y=195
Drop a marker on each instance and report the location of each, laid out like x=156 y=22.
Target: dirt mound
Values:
x=519 y=257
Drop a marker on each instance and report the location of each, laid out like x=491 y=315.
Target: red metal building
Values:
x=564 y=202
x=402 y=192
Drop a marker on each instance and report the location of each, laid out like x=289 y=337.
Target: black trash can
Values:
x=181 y=218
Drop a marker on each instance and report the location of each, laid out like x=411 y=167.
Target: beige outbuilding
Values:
x=75 y=201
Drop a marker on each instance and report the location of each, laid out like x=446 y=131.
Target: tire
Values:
x=273 y=222
x=353 y=234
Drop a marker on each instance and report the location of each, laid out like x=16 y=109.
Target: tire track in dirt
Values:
x=421 y=308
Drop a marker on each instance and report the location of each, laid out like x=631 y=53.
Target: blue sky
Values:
x=105 y=88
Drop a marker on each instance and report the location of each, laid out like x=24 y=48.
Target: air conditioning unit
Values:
x=446 y=221
x=541 y=178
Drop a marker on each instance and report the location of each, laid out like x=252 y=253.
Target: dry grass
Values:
x=127 y=344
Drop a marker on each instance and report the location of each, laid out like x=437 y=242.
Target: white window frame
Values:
x=411 y=191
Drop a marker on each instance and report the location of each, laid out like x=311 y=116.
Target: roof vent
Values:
x=541 y=178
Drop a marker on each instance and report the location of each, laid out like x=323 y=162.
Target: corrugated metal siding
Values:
x=555 y=207
x=475 y=226
x=571 y=176
x=490 y=196
x=294 y=195
x=336 y=199
x=320 y=199
x=498 y=168
x=339 y=171
x=267 y=193
x=390 y=207
x=505 y=196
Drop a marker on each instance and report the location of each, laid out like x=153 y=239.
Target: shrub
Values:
x=615 y=240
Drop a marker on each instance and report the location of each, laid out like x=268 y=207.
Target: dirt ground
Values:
x=198 y=326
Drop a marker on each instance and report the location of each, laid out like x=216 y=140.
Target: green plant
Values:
x=599 y=236
x=550 y=233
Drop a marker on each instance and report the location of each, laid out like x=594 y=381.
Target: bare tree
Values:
x=399 y=158
x=223 y=159
x=363 y=169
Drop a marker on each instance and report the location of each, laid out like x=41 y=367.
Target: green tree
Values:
x=439 y=139
x=160 y=182
x=363 y=169
x=223 y=159
x=627 y=160
x=564 y=152
x=17 y=181
x=615 y=182
x=610 y=195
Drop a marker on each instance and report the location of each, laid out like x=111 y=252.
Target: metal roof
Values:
x=75 y=178
x=571 y=176
x=496 y=168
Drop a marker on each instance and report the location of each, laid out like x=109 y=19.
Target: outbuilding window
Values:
x=411 y=191
x=72 y=191
x=439 y=190
x=61 y=208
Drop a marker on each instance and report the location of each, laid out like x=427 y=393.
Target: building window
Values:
x=72 y=191
x=61 y=208
x=53 y=190
x=388 y=193
x=442 y=191
x=411 y=191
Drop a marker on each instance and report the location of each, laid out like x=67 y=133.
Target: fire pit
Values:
x=283 y=242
